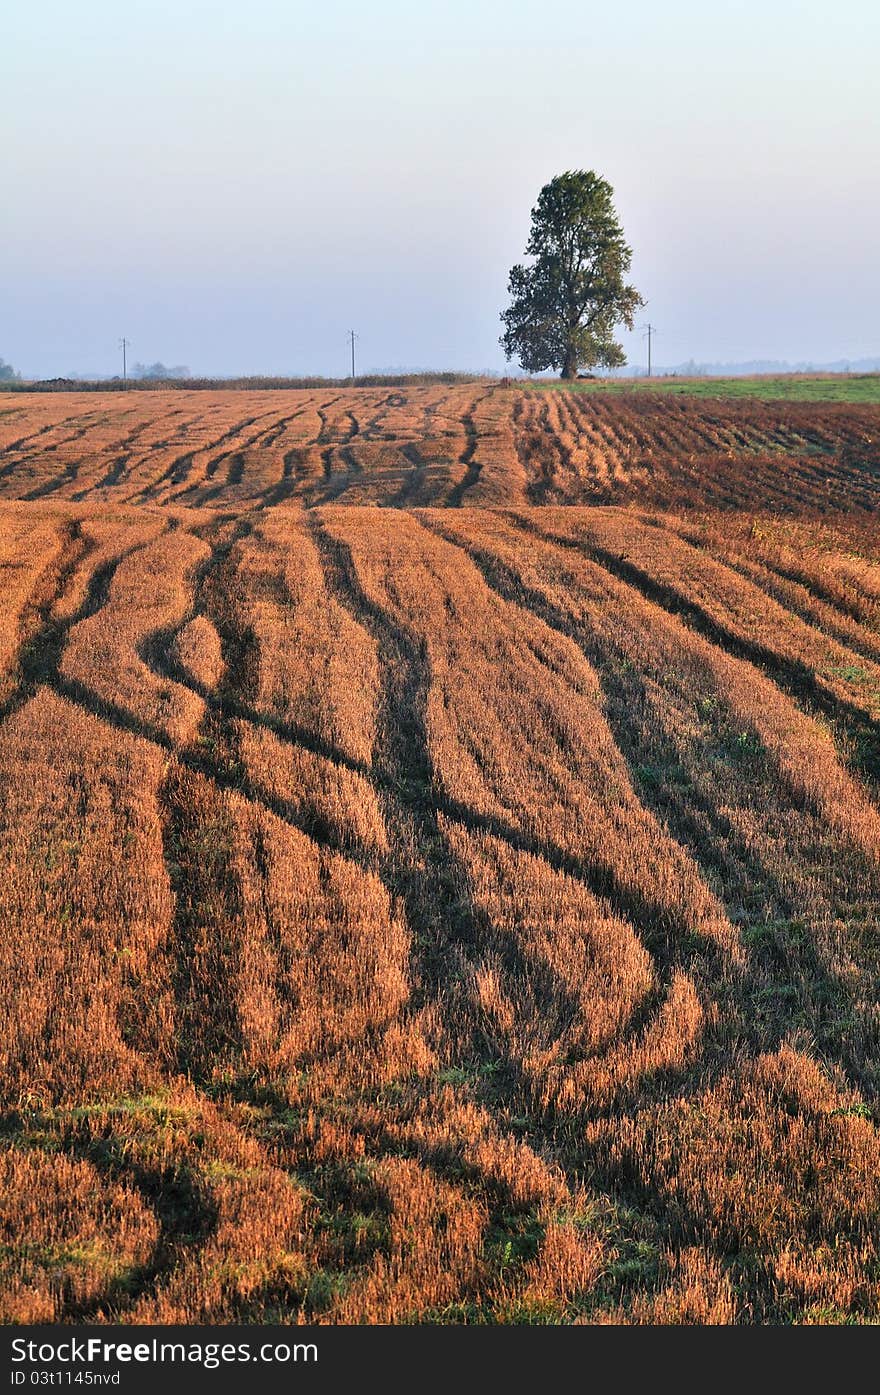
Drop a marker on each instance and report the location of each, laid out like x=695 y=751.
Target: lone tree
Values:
x=566 y=303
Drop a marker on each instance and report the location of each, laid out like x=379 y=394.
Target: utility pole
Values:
x=352 y=336
x=649 y=332
x=124 y=344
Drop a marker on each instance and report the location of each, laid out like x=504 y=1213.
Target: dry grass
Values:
x=476 y=444
x=458 y=914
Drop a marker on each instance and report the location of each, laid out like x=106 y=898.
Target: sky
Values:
x=234 y=186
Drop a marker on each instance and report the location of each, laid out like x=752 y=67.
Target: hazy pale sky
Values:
x=233 y=186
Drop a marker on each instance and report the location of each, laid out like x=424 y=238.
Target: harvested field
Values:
x=475 y=445
x=460 y=910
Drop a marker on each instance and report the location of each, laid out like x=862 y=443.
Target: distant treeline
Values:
x=234 y=384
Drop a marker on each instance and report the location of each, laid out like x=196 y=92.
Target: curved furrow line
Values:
x=227 y=777
x=234 y=701
x=662 y=928
x=402 y=761
x=727 y=860
x=154 y=489
x=372 y=429
x=287 y=485
x=54 y=486
x=653 y=921
x=404 y=754
x=156 y=652
x=206 y=936
x=324 y=435
x=203 y=839
x=431 y=892
x=475 y=823
x=43 y=635
x=527 y=437
x=183 y=1209
x=419 y=870
x=13 y=446
x=795 y=678
x=42 y=653
x=178 y=821
x=76 y=434
x=552 y=458
x=811 y=602
x=413 y=483
x=851 y=608
x=177 y=471
x=756 y=566
x=109 y=480
x=336 y=481
x=274 y=434
x=128 y=449
x=497 y=1079
x=473 y=468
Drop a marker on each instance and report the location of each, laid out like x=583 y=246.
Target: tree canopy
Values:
x=567 y=301
x=159 y=370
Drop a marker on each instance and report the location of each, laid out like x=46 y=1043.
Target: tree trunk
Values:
x=570 y=365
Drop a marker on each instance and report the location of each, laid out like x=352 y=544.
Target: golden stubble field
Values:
x=439 y=858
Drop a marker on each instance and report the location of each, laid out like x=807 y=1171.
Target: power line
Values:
x=352 y=336
x=124 y=344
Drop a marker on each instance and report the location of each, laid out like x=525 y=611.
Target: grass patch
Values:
x=862 y=388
